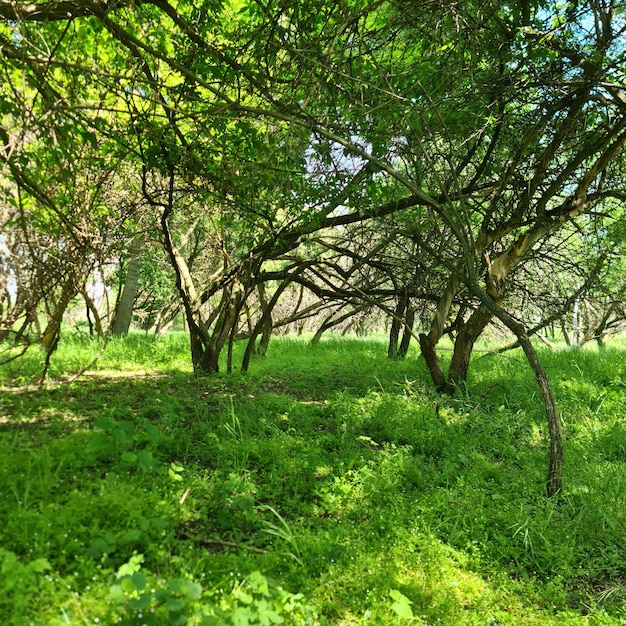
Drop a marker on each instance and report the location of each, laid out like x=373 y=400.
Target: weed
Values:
x=282 y=530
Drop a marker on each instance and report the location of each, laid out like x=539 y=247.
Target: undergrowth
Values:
x=329 y=485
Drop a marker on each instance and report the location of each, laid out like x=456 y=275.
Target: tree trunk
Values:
x=575 y=327
x=93 y=309
x=266 y=318
x=50 y=336
x=263 y=324
x=124 y=310
x=434 y=365
x=330 y=321
x=396 y=325
x=49 y=339
x=428 y=343
x=409 y=320
x=466 y=338
x=230 y=307
x=554 y=482
x=565 y=333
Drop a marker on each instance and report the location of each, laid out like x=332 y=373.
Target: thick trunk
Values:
x=466 y=338
x=230 y=307
x=434 y=365
x=124 y=309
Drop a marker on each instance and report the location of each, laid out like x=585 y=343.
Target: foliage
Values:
x=369 y=152
x=252 y=601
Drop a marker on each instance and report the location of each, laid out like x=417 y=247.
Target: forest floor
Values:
x=328 y=485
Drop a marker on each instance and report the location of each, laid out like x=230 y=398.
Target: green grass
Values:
x=327 y=486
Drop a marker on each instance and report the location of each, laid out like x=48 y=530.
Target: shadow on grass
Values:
x=333 y=470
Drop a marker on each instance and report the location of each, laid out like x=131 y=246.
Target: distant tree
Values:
x=124 y=309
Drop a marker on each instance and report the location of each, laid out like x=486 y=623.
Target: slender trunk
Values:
x=565 y=333
x=266 y=327
x=231 y=343
x=396 y=325
x=49 y=339
x=50 y=336
x=230 y=307
x=264 y=323
x=93 y=310
x=330 y=321
x=575 y=329
x=165 y=318
x=202 y=353
x=409 y=320
x=554 y=482
x=124 y=309
x=428 y=343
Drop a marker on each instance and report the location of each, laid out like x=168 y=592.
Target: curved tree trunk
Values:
x=428 y=343
x=230 y=306
x=554 y=482
x=49 y=339
x=330 y=321
x=50 y=336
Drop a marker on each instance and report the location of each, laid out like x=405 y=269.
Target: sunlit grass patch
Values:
x=332 y=472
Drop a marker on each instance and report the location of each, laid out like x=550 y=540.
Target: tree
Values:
x=124 y=309
x=541 y=112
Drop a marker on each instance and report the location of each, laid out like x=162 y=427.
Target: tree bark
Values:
x=266 y=327
x=264 y=323
x=409 y=320
x=330 y=321
x=93 y=309
x=466 y=338
x=230 y=305
x=428 y=343
x=50 y=336
x=396 y=325
x=124 y=310
x=554 y=482
x=434 y=365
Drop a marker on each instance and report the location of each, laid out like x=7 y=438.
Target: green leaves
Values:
x=401 y=604
x=254 y=601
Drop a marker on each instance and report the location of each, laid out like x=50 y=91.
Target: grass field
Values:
x=327 y=486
